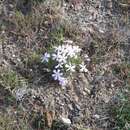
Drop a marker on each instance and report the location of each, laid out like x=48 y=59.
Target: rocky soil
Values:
x=99 y=27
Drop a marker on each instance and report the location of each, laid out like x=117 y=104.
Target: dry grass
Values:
x=22 y=42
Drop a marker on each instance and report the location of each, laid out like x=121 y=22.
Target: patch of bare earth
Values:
x=99 y=27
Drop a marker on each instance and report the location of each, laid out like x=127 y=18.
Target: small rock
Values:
x=70 y=107
x=66 y=120
x=96 y=116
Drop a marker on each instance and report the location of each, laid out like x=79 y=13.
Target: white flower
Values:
x=87 y=58
x=76 y=49
x=62 y=81
x=45 y=57
x=54 y=56
x=65 y=51
x=59 y=49
x=57 y=74
x=72 y=50
x=68 y=41
x=71 y=53
x=70 y=67
x=62 y=59
x=60 y=65
x=83 y=68
x=69 y=50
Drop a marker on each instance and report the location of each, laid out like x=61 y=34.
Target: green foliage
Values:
x=121 y=112
x=10 y=80
x=38 y=121
x=57 y=36
x=33 y=58
x=58 y=125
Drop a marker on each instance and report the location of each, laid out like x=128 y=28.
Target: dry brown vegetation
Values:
x=98 y=100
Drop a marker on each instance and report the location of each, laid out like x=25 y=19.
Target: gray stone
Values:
x=66 y=120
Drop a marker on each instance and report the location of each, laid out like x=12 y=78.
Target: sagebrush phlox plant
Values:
x=64 y=60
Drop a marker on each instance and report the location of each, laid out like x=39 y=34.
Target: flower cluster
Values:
x=63 y=60
x=19 y=93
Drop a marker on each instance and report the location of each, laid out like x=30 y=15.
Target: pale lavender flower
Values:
x=54 y=56
x=62 y=59
x=70 y=67
x=60 y=65
x=56 y=74
x=83 y=68
x=76 y=49
x=72 y=50
x=87 y=58
x=45 y=57
x=71 y=53
x=62 y=81
x=58 y=49
x=69 y=50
